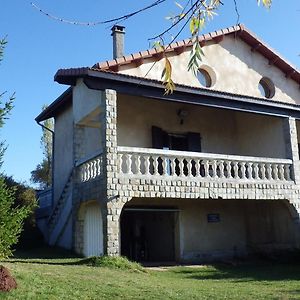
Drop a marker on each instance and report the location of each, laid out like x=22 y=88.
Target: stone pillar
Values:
x=291 y=146
x=112 y=205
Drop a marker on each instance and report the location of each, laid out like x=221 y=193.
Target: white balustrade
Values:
x=165 y=163
x=90 y=169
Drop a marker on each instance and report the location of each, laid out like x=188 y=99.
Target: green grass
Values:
x=53 y=274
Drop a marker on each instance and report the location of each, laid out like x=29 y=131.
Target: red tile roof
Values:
x=239 y=30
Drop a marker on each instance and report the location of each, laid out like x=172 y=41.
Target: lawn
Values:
x=52 y=275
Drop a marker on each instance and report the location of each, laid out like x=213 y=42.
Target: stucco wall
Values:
x=92 y=141
x=222 y=131
x=236 y=67
x=63 y=150
x=244 y=226
x=85 y=100
x=259 y=135
x=136 y=116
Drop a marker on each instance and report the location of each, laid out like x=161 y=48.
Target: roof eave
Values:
x=60 y=101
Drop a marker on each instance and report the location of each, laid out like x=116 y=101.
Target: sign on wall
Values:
x=213 y=218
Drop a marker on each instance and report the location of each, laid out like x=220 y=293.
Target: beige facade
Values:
x=226 y=183
x=235 y=69
x=222 y=131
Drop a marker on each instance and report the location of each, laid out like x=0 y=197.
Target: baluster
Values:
x=214 y=168
x=97 y=167
x=155 y=164
x=263 y=171
x=197 y=167
x=275 y=171
x=269 y=172
x=94 y=169
x=249 y=170
x=235 y=169
x=147 y=164
x=256 y=171
x=287 y=172
x=228 y=169
x=173 y=165
x=221 y=168
x=84 y=169
x=243 y=170
x=121 y=156
x=88 y=171
x=189 y=167
x=165 y=165
x=206 y=168
x=138 y=164
x=129 y=163
x=181 y=167
x=281 y=172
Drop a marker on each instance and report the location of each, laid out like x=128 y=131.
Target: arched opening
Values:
x=92 y=230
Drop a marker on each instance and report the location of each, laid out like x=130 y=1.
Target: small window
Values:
x=266 y=88
x=204 y=78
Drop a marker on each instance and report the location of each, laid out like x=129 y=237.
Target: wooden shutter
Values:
x=157 y=137
x=194 y=141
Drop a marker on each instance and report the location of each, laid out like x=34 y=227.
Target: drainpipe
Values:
x=52 y=158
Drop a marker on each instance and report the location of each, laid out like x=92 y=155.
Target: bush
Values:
x=117 y=262
x=11 y=220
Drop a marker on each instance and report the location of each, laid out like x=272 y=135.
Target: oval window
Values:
x=266 y=88
x=204 y=78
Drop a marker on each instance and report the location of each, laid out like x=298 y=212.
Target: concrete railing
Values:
x=90 y=168
x=144 y=162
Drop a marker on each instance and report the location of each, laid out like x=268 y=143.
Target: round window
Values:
x=266 y=87
x=204 y=78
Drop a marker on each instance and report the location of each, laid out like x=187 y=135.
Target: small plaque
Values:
x=213 y=218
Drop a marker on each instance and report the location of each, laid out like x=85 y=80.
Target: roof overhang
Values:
x=136 y=86
x=59 y=104
x=142 y=87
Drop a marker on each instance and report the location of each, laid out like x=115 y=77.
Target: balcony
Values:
x=155 y=173
x=164 y=164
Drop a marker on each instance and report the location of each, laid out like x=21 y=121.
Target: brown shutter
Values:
x=194 y=141
x=157 y=137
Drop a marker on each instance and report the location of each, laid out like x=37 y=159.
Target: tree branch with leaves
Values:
x=192 y=13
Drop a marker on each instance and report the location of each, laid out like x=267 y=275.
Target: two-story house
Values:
x=209 y=171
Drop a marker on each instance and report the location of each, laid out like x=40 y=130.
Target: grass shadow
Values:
x=258 y=271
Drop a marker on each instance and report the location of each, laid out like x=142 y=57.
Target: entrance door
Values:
x=93 y=231
x=148 y=235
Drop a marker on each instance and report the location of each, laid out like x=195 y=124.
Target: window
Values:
x=266 y=88
x=204 y=78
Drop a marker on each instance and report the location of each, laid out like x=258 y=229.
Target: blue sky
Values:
x=38 y=46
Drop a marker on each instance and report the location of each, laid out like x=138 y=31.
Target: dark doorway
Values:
x=147 y=235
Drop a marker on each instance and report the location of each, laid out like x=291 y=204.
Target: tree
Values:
x=192 y=13
x=25 y=196
x=11 y=216
x=42 y=174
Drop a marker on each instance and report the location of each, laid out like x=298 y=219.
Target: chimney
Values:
x=118 y=33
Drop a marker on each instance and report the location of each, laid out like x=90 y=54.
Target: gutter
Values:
x=52 y=158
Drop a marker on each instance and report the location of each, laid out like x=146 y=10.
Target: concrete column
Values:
x=291 y=146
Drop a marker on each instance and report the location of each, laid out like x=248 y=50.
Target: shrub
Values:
x=117 y=262
x=11 y=220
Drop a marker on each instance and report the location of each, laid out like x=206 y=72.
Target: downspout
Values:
x=52 y=158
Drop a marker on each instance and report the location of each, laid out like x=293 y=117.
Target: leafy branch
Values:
x=195 y=13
